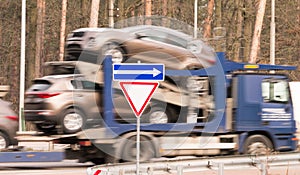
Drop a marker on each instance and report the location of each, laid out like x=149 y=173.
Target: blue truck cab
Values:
x=262 y=107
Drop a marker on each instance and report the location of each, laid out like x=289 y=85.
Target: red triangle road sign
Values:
x=138 y=94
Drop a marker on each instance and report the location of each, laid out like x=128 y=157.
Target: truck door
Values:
x=276 y=104
x=295 y=94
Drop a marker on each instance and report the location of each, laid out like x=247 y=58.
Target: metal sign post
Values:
x=22 y=68
x=138 y=128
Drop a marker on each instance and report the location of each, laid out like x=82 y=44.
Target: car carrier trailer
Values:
x=33 y=148
x=251 y=113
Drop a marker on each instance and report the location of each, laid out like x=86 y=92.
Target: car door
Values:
x=87 y=95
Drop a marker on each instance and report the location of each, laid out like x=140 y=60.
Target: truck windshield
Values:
x=275 y=91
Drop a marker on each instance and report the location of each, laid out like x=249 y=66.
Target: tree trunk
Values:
x=121 y=13
x=239 y=27
x=165 y=13
x=257 y=31
x=248 y=26
x=84 y=12
x=207 y=25
x=94 y=13
x=148 y=12
x=218 y=42
x=111 y=14
x=62 y=30
x=1 y=44
x=39 y=37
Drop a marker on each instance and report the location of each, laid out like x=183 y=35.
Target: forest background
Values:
x=227 y=25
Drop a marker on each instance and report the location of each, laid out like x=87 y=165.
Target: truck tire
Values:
x=257 y=145
x=72 y=121
x=4 y=140
x=147 y=150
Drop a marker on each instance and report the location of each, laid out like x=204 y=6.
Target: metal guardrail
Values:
x=198 y=164
x=4 y=89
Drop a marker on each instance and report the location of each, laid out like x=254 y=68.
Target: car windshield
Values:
x=60 y=69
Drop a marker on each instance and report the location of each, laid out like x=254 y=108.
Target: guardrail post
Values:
x=263 y=169
x=220 y=168
x=179 y=170
x=121 y=172
x=150 y=171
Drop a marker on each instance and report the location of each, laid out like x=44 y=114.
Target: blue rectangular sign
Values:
x=138 y=71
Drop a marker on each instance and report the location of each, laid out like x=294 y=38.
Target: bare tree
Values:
x=165 y=12
x=239 y=29
x=94 y=13
x=148 y=11
x=208 y=20
x=85 y=7
x=62 y=30
x=39 y=37
x=257 y=31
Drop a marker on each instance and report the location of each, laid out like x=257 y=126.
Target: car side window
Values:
x=163 y=37
x=86 y=85
x=40 y=85
x=76 y=84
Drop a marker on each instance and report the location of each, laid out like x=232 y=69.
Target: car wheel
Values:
x=257 y=145
x=4 y=140
x=159 y=115
x=72 y=121
x=117 y=53
x=147 y=150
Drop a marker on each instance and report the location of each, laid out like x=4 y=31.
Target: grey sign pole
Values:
x=22 y=67
x=138 y=122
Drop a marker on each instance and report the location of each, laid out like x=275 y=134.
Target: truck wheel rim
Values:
x=158 y=117
x=257 y=148
x=2 y=142
x=73 y=121
x=117 y=55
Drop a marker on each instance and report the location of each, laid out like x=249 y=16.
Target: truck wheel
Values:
x=72 y=121
x=117 y=53
x=160 y=115
x=4 y=140
x=257 y=145
x=146 y=149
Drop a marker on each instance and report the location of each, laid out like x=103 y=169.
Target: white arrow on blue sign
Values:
x=138 y=71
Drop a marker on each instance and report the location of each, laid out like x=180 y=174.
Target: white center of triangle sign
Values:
x=138 y=82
